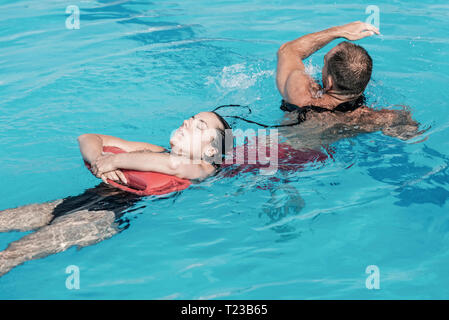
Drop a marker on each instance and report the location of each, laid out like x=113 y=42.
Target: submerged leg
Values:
x=29 y=217
x=285 y=200
x=34 y=216
x=80 y=229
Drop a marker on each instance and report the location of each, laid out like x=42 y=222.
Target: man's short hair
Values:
x=350 y=67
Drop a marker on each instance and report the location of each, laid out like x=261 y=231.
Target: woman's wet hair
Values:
x=224 y=142
x=223 y=121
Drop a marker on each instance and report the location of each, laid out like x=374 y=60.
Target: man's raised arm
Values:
x=291 y=80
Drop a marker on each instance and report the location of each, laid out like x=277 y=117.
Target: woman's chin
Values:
x=174 y=140
x=175 y=148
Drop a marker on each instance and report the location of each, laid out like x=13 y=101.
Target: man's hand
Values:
x=357 y=30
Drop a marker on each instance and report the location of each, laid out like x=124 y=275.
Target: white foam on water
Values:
x=238 y=76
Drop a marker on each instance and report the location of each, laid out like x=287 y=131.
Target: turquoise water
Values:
x=136 y=69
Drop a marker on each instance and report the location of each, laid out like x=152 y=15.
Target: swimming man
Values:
x=335 y=109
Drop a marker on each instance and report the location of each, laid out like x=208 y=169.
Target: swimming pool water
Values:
x=136 y=69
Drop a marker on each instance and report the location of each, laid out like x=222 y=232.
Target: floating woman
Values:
x=197 y=149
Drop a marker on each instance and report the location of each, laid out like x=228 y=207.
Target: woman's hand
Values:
x=115 y=175
x=357 y=30
x=103 y=164
x=104 y=168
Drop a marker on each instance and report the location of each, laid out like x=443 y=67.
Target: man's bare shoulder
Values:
x=301 y=89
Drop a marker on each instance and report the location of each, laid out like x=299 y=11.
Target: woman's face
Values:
x=194 y=138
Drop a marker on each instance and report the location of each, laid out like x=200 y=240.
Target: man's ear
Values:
x=329 y=83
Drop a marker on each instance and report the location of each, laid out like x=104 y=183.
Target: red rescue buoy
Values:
x=146 y=183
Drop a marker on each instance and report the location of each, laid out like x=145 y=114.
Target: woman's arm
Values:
x=156 y=162
x=91 y=145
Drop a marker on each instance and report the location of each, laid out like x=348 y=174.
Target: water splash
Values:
x=238 y=76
